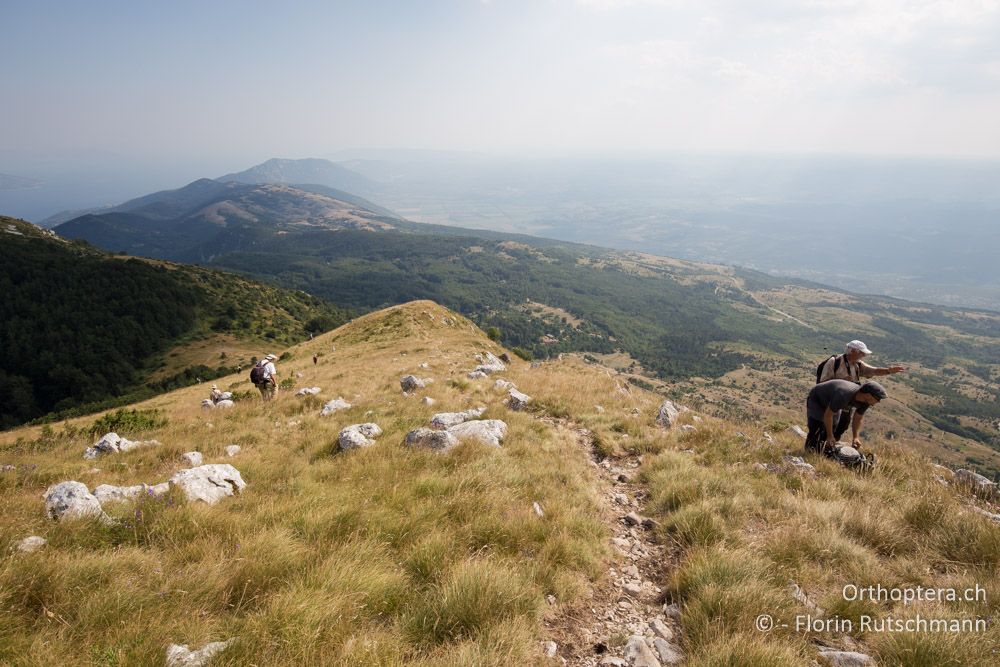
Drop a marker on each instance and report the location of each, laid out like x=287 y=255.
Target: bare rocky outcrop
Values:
x=979 y=484
x=179 y=655
x=487 y=431
x=489 y=363
x=429 y=438
x=72 y=500
x=333 y=406
x=358 y=435
x=209 y=483
x=667 y=414
x=445 y=420
x=517 y=400
x=112 y=443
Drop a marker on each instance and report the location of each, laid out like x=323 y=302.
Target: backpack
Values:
x=836 y=366
x=257 y=374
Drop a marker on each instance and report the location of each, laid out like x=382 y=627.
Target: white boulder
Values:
x=504 y=384
x=844 y=659
x=224 y=404
x=667 y=414
x=411 y=383
x=448 y=419
x=477 y=375
x=31 y=544
x=977 y=482
x=487 y=431
x=429 y=438
x=233 y=450
x=358 y=435
x=179 y=655
x=334 y=406
x=516 y=400
x=427 y=400
x=797 y=430
x=112 y=443
x=72 y=500
x=106 y=493
x=192 y=458
x=308 y=391
x=489 y=363
x=209 y=483
x=208 y=404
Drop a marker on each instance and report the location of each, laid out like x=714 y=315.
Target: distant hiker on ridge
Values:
x=264 y=375
x=825 y=402
x=850 y=366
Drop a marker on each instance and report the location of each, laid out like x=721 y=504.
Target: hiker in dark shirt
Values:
x=824 y=404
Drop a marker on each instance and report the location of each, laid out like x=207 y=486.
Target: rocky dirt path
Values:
x=623 y=621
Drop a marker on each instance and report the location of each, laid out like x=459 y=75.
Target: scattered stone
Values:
x=632 y=519
x=550 y=649
x=650 y=524
x=989 y=515
x=696 y=418
x=72 y=500
x=192 y=458
x=31 y=544
x=412 y=383
x=538 y=509
x=517 y=400
x=179 y=655
x=209 y=483
x=661 y=629
x=449 y=419
x=669 y=654
x=487 y=431
x=358 y=435
x=430 y=438
x=768 y=438
x=620 y=498
x=845 y=659
x=688 y=428
x=977 y=482
x=797 y=464
x=797 y=430
x=504 y=357
x=672 y=611
x=612 y=661
x=489 y=363
x=208 y=404
x=801 y=597
x=639 y=654
x=536 y=364
x=298 y=374
x=308 y=391
x=233 y=450
x=623 y=478
x=504 y=384
x=599 y=409
x=224 y=404
x=334 y=406
x=476 y=375
x=551 y=599
x=112 y=443
x=107 y=493
x=622 y=544
x=667 y=415
x=427 y=400
x=633 y=588
x=424 y=366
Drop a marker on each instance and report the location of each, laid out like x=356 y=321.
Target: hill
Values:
x=391 y=554
x=82 y=327
x=739 y=340
x=309 y=170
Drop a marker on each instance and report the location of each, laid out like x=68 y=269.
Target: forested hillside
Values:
x=81 y=327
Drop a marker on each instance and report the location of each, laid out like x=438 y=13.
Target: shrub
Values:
x=128 y=422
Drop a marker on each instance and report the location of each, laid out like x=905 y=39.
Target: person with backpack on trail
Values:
x=264 y=375
x=827 y=399
x=851 y=367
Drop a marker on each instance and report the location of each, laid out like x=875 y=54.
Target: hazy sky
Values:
x=243 y=81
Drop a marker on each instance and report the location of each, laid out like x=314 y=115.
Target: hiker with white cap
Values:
x=264 y=375
x=851 y=367
x=216 y=394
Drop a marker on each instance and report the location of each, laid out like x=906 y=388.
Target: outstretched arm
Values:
x=869 y=371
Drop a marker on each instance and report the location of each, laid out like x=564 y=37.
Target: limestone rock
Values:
x=797 y=464
x=430 y=438
x=844 y=659
x=504 y=384
x=667 y=415
x=487 y=431
x=308 y=391
x=192 y=459
x=639 y=654
x=358 y=435
x=661 y=629
x=537 y=509
x=72 y=500
x=107 y=493
x=517 y=400
x=411 y=383
x=489 y=363
x=224 y=404
x=208 y=404
x=669 y=653
x=31 y=544
x=179 y=655
x=797 y=430
x=427 y=400
x=977 y=482
x=476 y=375
x=449 y=419
x=612 y=661
x=209 y=483
x=688 y=428
x=549 y=649
x=112 y=443
x=233 y=450
x=672 y=611
x=333 y=406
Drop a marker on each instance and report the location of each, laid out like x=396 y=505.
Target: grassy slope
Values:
x=388 y=556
